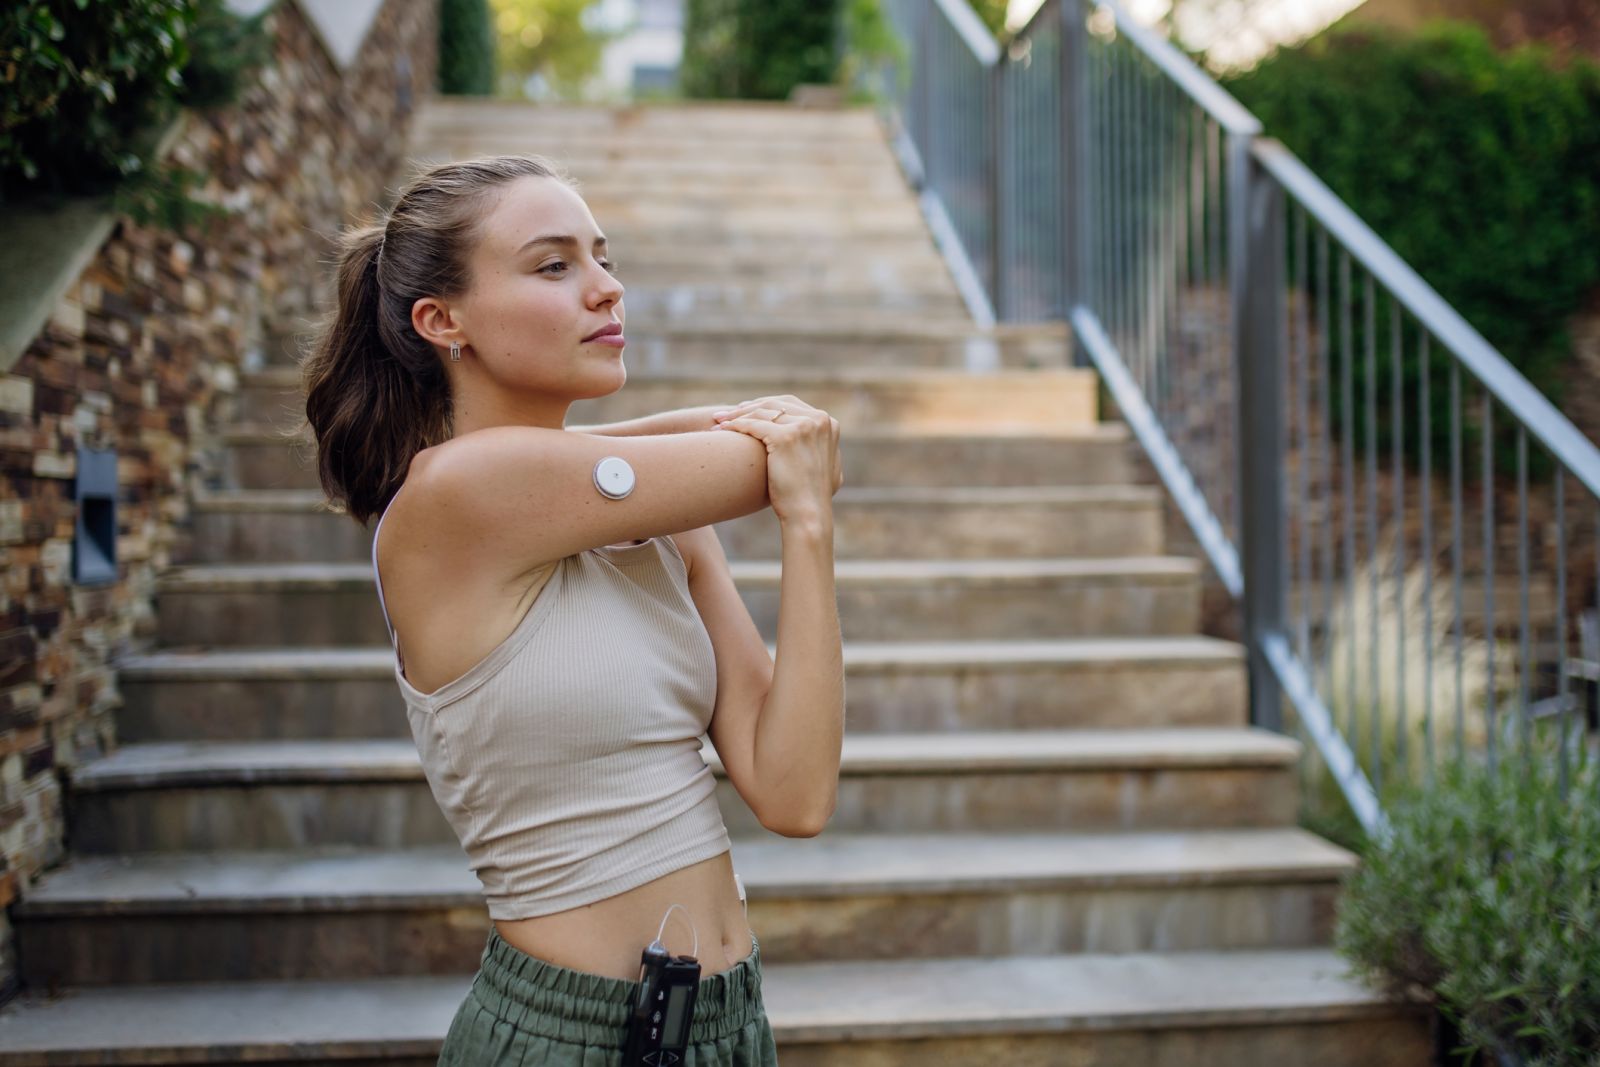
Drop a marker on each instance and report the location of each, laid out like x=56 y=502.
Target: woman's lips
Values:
x=614 y=340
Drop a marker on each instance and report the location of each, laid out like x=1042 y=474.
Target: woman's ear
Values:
x=435 y=322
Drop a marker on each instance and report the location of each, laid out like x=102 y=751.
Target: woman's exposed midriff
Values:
x=607 y=936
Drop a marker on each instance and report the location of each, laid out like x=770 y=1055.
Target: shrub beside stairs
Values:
x=1057 y=839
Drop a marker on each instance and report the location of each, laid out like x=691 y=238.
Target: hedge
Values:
x=466 y=48
x=757 y=49
x=86 y=86
x=1480 y=168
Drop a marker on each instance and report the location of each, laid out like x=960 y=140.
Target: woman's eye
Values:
x=606 y=263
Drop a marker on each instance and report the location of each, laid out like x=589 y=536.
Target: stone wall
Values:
x=135 y=357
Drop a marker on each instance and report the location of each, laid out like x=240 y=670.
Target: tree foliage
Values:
x=1480 y=168
x=549 y=38
x=757 y=49
x=466 y=48
x=86 y=86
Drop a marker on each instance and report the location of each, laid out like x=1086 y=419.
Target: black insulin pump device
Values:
x=658 y=1026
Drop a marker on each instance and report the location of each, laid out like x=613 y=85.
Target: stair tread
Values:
x=378 y=660
x=856 y=1000
x=832 y=864
x=169 y=763
x=847 y=572
x=990 y=496
x=733 y=378
x=248 y=432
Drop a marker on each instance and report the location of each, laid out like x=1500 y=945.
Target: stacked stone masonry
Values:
x=141 y=355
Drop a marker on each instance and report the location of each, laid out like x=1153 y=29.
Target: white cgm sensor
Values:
x=613 y=477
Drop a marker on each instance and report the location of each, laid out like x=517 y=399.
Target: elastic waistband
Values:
x=540 y=997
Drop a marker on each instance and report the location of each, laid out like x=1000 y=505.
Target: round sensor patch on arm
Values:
x=613 y=477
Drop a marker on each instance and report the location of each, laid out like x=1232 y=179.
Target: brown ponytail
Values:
x=376 y=391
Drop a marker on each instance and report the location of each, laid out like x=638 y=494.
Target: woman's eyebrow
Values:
x=563 y=239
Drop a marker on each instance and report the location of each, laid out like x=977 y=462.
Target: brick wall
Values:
x=135 y=357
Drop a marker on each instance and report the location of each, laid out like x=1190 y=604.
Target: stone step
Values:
x=670 y=299
x=195 y=795
x=1195 y=1009
x=893 y=687
x=1032 y=522
x=737 y=118
x=319 y=604
x=567 y=148
x=232 y=916
x=734 y=350
x=861 y=397
x=259 y=457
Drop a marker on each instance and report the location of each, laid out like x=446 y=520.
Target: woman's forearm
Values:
x=801 y=728
x=683 y=420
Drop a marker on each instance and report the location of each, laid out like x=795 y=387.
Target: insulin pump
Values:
x=658 y=1025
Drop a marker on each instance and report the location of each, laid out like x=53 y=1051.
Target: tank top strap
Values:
x=394 y=641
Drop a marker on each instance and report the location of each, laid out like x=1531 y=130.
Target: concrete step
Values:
x=318 y=604
x=194 y=795
x=893 y=687
x=567 y=149
x=1029 y=522
x=259 y=457
x=861 y=397
x=733 y=348
x=737 y=118
x=1082 y=779
x=232 y=916
x=1186 y=1009
x=302 y=793
x=677 y=299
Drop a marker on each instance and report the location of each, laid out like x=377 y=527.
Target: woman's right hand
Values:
x=803 y=466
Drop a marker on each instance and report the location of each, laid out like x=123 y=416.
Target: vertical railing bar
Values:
x=1301 y=291
x=1369 y=320
x=1396 y=360
x=1524 y=643
x=1077 y=90
x=1218 y=471
x=1488 y=562
x=1425 y=372
x=1255 y=278
x=1124 y=209
x=1325 y=376
x=994 y=101
x=1457 y=508
x=1347 y=443
x=1563 y=681
x=1169 y=242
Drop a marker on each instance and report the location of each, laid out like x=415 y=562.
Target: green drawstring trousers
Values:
x=523 y=1011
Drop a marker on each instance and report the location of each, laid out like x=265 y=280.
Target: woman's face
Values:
x=530 y=303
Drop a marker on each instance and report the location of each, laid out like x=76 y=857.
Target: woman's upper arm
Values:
x=744 y=666
x=527 y=495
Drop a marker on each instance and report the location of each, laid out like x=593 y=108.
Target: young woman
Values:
x=564 y=621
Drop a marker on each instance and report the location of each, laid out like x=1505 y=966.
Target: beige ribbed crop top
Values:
x=568 y=759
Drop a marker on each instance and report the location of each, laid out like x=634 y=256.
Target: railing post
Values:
x=994 y=104
x=1256 y=277
x=1074 y=169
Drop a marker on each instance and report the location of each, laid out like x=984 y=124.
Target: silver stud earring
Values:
x=455 y=351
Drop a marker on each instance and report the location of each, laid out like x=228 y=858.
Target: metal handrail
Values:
x=1232 y=116
x=1510 y=389
x=1188 y=251
x=974 y=34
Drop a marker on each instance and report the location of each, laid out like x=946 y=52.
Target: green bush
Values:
x=88 y=85
x=466 y=48
x=757 y=49
x=1480 y=168
x=1487 y=893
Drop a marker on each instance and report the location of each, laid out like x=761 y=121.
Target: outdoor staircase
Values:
x=1057 y=840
